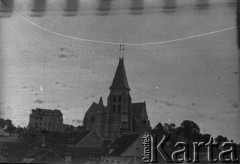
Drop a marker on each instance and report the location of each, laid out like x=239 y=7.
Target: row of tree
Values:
x=188 y=129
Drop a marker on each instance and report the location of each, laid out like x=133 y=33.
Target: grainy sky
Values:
x=194 y=79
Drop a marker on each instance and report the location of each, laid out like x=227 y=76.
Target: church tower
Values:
x=118 y=120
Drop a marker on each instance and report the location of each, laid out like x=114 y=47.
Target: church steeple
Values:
x=119 y=104
x=120 y=78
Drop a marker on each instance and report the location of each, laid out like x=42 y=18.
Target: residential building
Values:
x=46 y=119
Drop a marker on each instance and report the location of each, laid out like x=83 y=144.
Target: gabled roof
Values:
x=122 y=143
x=137 y=108
x=93 y=106
x=120 y=78
x=47 y=156
x=76 y=137
x=79 y=154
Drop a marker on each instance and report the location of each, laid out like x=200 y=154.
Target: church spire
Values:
x=100 y=102
x=120 y=78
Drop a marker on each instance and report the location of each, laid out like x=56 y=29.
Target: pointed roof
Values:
x=120 y=78
x=121 y=144
x=100 y=101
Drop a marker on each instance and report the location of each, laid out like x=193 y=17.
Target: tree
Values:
x=80 y=127
x=159 y=129
x=206 y=138
x=70 y=128
x=219 y=139
x=2 y=123
x=169 y=128
x=10 y=128
x=191 y=130
x=8 y=122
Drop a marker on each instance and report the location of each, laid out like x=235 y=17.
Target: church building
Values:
x=120 y=115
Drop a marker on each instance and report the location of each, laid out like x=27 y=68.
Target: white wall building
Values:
x=45 y=119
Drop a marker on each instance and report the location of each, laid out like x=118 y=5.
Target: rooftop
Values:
x=122 y=143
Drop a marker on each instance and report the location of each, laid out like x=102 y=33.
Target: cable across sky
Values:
x=125 y=43
x=122 y=43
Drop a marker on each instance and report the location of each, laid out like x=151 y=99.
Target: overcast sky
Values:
x=194 y=79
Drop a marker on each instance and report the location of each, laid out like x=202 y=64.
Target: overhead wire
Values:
x=121 y=43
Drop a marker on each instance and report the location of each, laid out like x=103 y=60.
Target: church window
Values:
x=119 y=108
x=114 y=98
x=119 y=98
x=114 y=108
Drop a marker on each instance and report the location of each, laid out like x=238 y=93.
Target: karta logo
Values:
x=181 y=151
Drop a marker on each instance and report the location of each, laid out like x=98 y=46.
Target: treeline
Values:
x=7 y=125
x=188 y=130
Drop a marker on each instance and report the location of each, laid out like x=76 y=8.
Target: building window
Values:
x=92 y=118
x=119 y=108
x=106 y=161
x=114 y=108
x=114 y=98
x=5 y=150
x=119 y=98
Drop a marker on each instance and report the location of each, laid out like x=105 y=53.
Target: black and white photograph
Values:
x=119 y=81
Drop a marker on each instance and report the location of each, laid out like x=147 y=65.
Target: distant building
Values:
x=84 y=139
x=127 y=149
x=45 y=119
x=120 y=115
x=8 y=137
x=43 y=156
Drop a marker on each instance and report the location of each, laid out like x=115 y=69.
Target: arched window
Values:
x=114 y=108
x=119 y=98
x=114 y=98
x=119 y=108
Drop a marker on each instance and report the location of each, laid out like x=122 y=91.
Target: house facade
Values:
x=46 y=119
